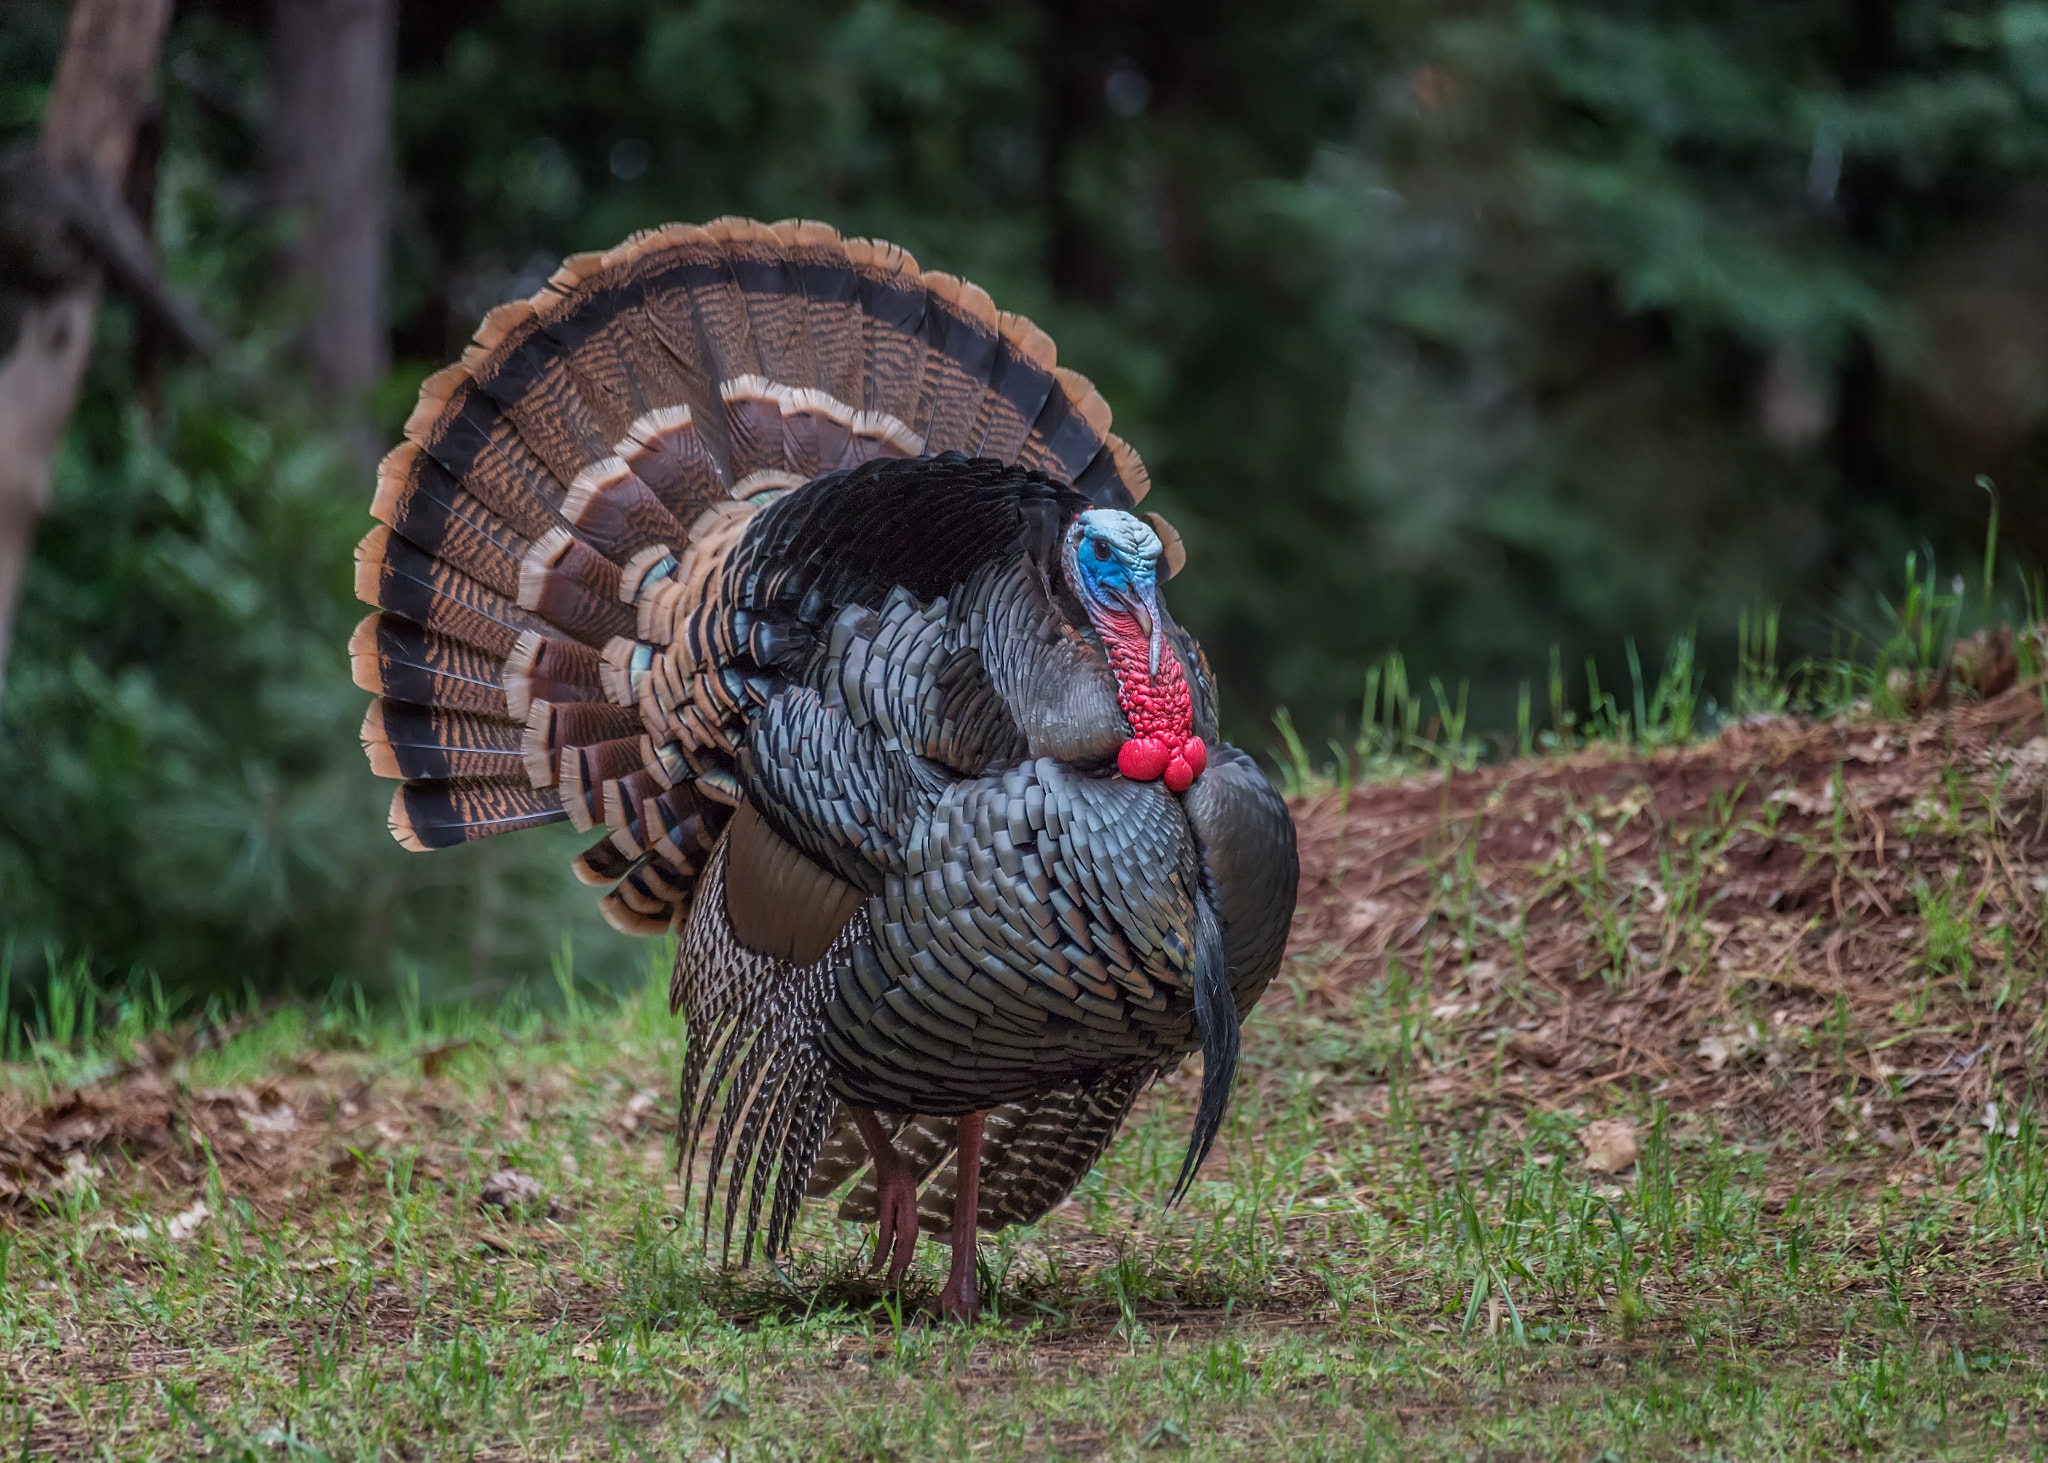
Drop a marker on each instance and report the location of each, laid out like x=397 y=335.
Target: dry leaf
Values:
x=518 y=1194
x=1716 y=1052
x=639 y=1111
x=182 y=1226
x=1532 y=1049
x=1610 y=1145
x=277 y=1118
x=434 y=1059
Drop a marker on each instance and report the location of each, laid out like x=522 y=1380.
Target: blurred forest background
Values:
x=1475 y=330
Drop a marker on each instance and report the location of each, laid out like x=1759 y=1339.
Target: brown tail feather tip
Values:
x=1085 y=400
x=571 y=272
x=1129 y=467
x=435 y=393
x=370 y=564
x=1028 y=341
x=535 y=747
x=400 y=823
x=362 y=654
x=508 y=321
x=804 y=232
x=629 y=921
x=1169 y=538
x=376 y=746
x=880 y=257
x=394 y=475
x=965 y=296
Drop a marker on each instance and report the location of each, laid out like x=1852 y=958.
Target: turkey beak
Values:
x=1145 y=609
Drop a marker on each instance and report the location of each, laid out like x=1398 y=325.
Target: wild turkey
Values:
x=809 y=581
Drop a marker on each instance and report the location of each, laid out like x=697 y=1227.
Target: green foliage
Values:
x=1460 y=340
x=187 y=801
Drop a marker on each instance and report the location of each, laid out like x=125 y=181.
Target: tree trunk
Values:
x=103 y=85
x=329 y=166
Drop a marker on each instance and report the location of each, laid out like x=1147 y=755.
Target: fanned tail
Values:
x=553 y=529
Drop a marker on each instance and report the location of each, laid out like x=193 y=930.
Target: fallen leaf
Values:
x=277 y=1118
x=182 y=1226
x=434 y=1059
x=639 y=1111
x=1610 y=1145
x=1715 y=1052
x=516 y=1193
x=1532 y=1049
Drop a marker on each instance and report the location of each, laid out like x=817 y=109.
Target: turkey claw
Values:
x=895 y=1229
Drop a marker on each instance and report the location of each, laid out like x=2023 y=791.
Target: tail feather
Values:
x=665 y=451
x=435 y=595
x=775 y=303
x=433 y=742
x=610 y=508
x=957 y=371
x=824 y=272
x=550 y=727
x=482 y=448
x=440 y=814
x=542 y=667
x=601 y=865
x=422 y=503
x=575 y=588
x=1019 y=382
x=892 y=295
x=754 y=407
x=1070 y=429
x=397 y=659
x=1033 y=1154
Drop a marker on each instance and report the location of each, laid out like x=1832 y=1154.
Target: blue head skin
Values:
x=1112 y=564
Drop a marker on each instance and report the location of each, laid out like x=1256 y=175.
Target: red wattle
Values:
x=1162 y=742
x=1141 y=759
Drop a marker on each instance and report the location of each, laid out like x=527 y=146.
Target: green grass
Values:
x=1363 y=1275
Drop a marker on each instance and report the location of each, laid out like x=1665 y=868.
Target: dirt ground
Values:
x=1796 y=928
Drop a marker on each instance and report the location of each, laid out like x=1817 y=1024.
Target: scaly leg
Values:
x=961 y=1299
x=896 y=1196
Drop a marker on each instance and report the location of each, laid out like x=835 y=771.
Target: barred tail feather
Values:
x=1033 y=1154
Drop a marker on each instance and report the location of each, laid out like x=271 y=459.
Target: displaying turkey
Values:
x=809 y=581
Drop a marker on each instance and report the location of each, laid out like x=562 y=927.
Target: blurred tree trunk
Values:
x=1860 y=458
x=328 y=164
x=103 y=85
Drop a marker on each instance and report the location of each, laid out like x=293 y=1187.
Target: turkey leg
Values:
x=895 y=1196
x=961 y=1299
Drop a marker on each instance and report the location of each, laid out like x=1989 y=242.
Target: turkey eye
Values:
x=1101 y=549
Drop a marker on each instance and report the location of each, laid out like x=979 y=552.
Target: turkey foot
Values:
x=961 y=1299
x=896 y=1199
